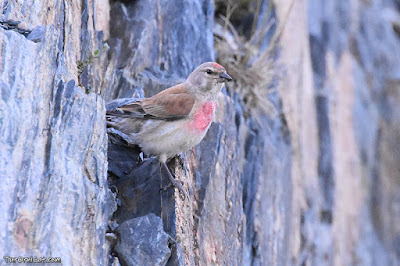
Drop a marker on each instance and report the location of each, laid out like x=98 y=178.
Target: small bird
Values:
x=174 y=120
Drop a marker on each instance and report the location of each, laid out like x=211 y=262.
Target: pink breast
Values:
x=203 y=117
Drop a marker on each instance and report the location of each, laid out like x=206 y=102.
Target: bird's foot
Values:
x=175 y=183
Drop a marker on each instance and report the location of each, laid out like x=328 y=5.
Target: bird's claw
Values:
x=174 y=182
x=180 y=158
x=178 y=185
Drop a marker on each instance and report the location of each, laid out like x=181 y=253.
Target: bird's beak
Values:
x=225 y=76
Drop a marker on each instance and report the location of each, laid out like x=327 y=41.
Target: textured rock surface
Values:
x=228 y=218
x=54 y=194
x=143 y=241
x=317 y=188
x=155 y=43
x=316 y=185
x=341 y=105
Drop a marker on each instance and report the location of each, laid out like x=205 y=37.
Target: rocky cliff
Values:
x=301 y=166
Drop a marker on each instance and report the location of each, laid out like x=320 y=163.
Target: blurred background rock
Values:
x=301 y=167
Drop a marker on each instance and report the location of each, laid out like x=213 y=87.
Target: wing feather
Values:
x=171 y=104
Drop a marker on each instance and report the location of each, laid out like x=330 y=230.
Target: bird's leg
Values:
x=174 y=182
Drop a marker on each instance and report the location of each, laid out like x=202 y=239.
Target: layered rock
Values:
x=54 y=193
x=315 y=183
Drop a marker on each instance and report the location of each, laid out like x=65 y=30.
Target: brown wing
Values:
x=170 y=104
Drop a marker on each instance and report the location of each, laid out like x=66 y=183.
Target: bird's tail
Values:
x=121 y=123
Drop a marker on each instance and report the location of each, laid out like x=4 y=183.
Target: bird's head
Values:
x=208 y=78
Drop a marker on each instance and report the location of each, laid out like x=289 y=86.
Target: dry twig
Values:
x=253 y=70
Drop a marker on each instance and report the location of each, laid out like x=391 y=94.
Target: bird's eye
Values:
x=208 y=71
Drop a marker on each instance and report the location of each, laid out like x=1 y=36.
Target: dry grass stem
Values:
x=253 y=68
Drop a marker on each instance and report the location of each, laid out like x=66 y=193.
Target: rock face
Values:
x=341 y=107
x=143 y=241
x=54 y=194
x=317 y=184
x=156 y=43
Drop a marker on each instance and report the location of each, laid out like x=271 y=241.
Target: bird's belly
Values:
x=169 y=139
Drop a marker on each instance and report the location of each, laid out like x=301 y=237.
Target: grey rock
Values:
x=229 y=165
x=54 y=189
x=280 y=187
x=354 y=73
x=37 y=34
x=112 y=238
x=316 y=185
x=177 y=255
x=143 y=241
x=140 y=185
x=168 y=45
x=114 y=104
x=158 y=62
